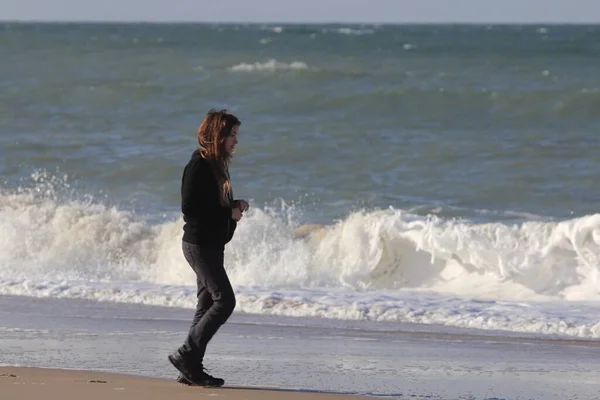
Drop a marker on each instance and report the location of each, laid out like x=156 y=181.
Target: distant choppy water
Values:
x=442 y=162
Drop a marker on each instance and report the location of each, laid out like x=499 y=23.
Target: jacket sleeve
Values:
x=200 y=194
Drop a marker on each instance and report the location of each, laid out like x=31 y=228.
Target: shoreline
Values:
x=361 y=328
x=286 y=359
x=29 y=383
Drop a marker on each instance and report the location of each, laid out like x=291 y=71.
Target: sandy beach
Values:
x=34 y=383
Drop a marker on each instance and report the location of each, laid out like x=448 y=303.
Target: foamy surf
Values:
x=415 y=307
x=388 y=265
x=349 y=31
x=270 y=65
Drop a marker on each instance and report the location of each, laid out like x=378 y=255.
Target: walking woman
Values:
x=210 y=217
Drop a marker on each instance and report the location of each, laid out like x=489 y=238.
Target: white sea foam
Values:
x=270 y=65
x=538 y=276
x=349 y=31
x=274 y=29
x=552 y=318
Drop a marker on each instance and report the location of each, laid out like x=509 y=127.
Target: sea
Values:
x=440 y=176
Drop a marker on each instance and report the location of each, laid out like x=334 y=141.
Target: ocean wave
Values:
x=379 y=265
x=432 y=101
x=274 y=29
x=307 y=29
x=349 y=31
x=44 y=235
x=270 y=65
x=423 y=308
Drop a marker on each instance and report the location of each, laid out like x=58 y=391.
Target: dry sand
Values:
x=50 y=384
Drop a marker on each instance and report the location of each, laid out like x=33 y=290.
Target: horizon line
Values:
x=230 y=22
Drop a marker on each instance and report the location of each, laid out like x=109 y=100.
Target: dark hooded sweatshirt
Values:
x=207 y=222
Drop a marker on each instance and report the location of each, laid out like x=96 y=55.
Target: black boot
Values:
x=183 y=381
x=207 y=380
x=184 y=366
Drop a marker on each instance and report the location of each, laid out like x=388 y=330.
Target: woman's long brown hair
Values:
x=212 y=133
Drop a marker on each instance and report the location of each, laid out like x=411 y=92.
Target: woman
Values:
x=210 y=217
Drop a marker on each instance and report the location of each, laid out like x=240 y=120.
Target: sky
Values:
x=305 y=11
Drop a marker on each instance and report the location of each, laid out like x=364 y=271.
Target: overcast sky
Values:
x=384 y=11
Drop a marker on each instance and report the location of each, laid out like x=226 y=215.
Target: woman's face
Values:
x=231 y=140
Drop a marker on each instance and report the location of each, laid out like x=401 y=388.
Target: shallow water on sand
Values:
x=392 y=361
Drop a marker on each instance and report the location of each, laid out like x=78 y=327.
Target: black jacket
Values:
x=207 y=222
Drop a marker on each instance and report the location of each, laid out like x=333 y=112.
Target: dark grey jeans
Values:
x=216 y=299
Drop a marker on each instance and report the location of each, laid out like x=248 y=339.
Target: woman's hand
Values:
x=236 y=214
x=242 y=205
